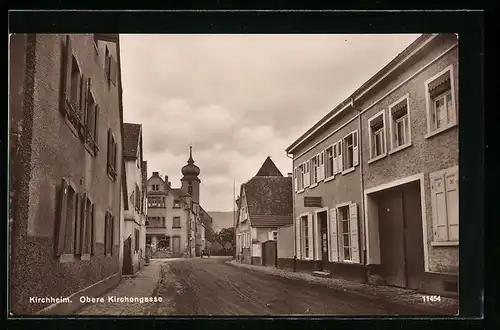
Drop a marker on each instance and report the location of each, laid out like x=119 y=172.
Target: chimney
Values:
x=166 y=178
x=156 y=174
x=290 y=175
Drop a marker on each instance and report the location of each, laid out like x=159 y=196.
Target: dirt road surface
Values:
x=210 y=286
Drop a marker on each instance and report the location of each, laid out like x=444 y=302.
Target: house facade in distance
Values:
x=265 y=204
x=134 y=234
x=66 y=169
x=376 y=179
x=174 y=214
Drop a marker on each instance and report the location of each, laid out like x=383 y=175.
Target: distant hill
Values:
x=221 y=220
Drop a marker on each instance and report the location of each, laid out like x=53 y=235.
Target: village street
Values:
x=216 y=286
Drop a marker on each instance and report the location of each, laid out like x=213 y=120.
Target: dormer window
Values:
x=177 y=204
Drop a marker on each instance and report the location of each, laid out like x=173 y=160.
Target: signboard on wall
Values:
x=310 y=201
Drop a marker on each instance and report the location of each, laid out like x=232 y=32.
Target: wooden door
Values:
x=414 y=247
x=176 y=246
x=127 y=257
x=323 y=225
x=391 y=230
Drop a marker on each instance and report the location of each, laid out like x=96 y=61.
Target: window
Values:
x=67 y=218
x=177 y=204
x=307 y=174
x=444 y=194
x=176 y=222
x=441 y=101
x=344 y=237
x=339 y=157
x=377 y=135
x=275 y=235
x=345 y=230
x=84 y=228
x=112 y=155
x=91 y=121
x=136 y=240
x=305 y=237
x=137 y=198
x=400 y=124
x=299 y=177
x=109 y=223
x=329 y=162
x=110 y=67
x=351 y=156
x=163 y=222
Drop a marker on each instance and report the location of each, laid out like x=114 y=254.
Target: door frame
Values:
x=317 y=234
x=371 y=218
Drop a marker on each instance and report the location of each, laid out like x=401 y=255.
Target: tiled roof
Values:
x=179 y=193
x=268 y=169
x=132 y=133
x=269 y=200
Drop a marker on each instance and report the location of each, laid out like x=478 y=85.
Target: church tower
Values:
x=190 y=183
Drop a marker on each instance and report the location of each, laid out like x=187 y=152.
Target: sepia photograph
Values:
x=233 y=174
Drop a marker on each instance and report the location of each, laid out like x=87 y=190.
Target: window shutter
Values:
x=335 y=162
x=310 y=235
x=113 y=70
x=106 y=231
x=114 y=155
x=295 y=181
x=334 y=251
x=94 y=230
x=452 y=203
x=83 y=100
x=317 y=238
x=353 y=221
x=321 y=174
x=112 y=235
x=355 y=152
x=62 y=216
x=78 y=225
x=96 y=130
x=107 y=62
x=109 y=149
x=297 y=237
x=439 y=215
x=83 y=225
x=340 y=162
x=67 y=62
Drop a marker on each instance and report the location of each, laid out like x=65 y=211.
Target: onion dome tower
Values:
x=190 y=183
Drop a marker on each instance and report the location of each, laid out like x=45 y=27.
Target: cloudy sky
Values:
x=239 y=98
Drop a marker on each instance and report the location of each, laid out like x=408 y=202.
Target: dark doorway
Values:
x=323 y=232
x=401 y=241
x=127 y=257
x=269 y=253
x=176 y=246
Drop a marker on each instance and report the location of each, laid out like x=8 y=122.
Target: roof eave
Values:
x=406 y=55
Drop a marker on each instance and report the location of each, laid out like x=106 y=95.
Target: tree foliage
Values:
x=225 y=236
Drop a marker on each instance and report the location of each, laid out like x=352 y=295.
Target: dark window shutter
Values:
x=67 y=62
x=83 y=224
x=114 y=155
x=109 y=149
x=107 y=64
x=94 y=230
x=83 y=99
x=112 y=235
x=62 y=216
x=78 y=225
x=106 y=230
x=96 y=129
x=88 y=97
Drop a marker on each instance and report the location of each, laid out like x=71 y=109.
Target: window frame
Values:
x=355 y=148
x=174 y=220
x=372 y=134
x=429 y=102
x=393 y=125
x=329 y=177
x=341 y=233
x=304 y=237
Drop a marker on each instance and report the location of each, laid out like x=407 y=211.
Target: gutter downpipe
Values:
x=362 y=184
x=293 y=220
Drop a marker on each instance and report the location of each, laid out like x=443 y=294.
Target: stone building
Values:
x=376 y=179
x=66 y=169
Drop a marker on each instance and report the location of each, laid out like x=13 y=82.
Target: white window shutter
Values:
x=333 y=244
x=307 y=176
x=310 y=235
x=355 y=153
x=452 y=203
x=353 y=222
x=335 y=162
x=322 y=166
x=297 y=237
x=317 y=238
x=439 y=216
x=340 y=162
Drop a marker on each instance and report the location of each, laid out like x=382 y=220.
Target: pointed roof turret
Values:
x=269 y=169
